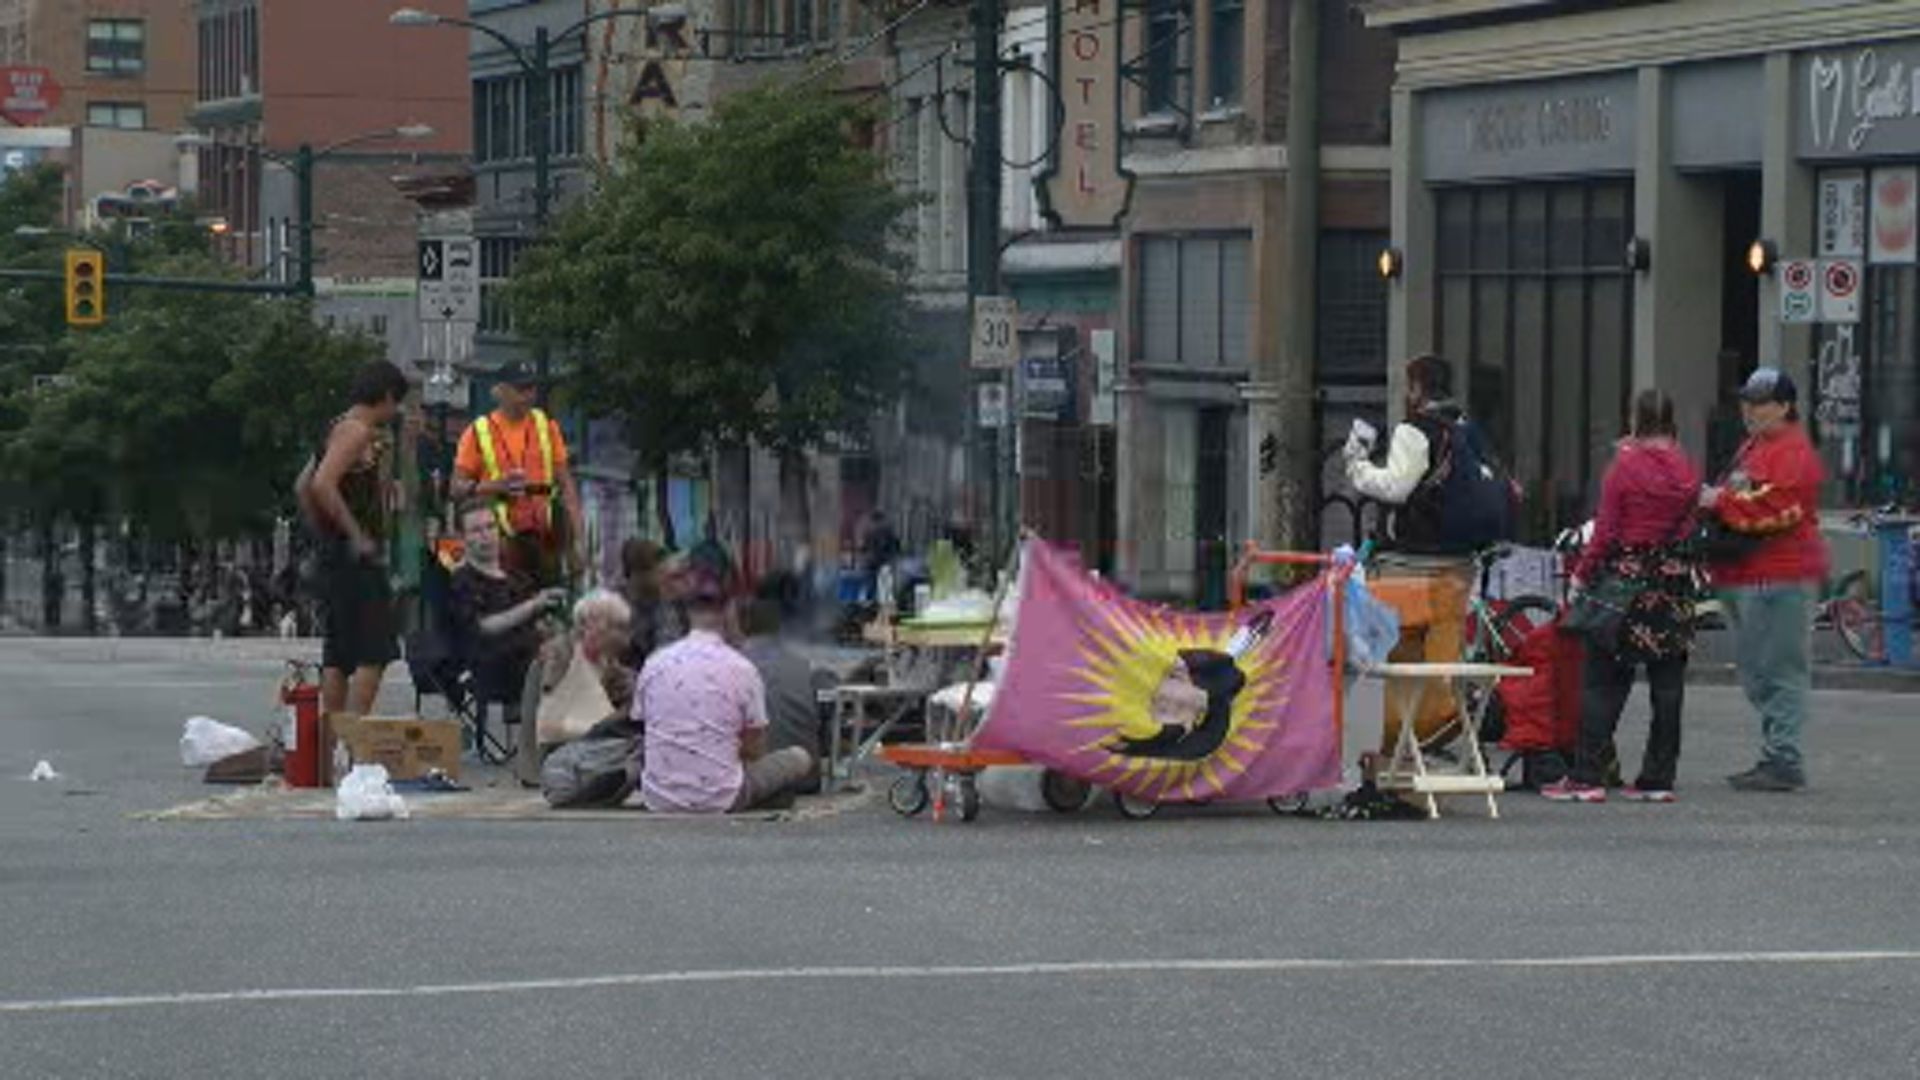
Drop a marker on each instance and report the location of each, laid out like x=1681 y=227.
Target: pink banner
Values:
x=1164 y=705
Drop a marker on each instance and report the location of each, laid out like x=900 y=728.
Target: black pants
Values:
x=1607 y=682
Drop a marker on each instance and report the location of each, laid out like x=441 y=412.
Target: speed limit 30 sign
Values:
x=996 y=338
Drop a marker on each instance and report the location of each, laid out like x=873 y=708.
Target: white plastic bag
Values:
x=365 y=795
x=207 y=740
x=43 y=771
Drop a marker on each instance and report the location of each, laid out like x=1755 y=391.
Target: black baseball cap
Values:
x=1769 y=385
x=517 y=373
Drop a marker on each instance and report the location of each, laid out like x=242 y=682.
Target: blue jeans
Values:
x=1773 y=625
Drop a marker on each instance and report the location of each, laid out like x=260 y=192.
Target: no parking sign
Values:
x=1840 y=290
x=1798 y=296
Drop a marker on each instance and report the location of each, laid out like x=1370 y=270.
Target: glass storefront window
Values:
x=1865 y=398
x=1535 y=311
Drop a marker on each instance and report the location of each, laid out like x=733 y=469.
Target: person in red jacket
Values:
x=1646 y=509
x=1772 y=495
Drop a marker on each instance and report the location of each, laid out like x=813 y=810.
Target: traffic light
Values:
x=86 y=288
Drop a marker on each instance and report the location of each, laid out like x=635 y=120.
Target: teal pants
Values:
x=1773 y=626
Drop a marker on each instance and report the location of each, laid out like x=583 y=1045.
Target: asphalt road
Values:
x=1727 y=936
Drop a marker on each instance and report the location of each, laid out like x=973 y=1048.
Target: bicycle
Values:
x=1850 y=609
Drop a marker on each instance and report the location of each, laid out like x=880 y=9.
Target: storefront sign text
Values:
x=1565 y=127
x=30 y=93
x=1084 y=186
x=1839 y=383
x=1859 y=102
x=1506 y=127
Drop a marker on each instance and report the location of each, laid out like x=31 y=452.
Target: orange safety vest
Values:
x=483 y=434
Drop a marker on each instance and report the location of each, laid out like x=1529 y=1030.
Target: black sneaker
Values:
x=1768 y=777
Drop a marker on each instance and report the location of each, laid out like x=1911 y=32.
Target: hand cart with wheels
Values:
x=942 y=773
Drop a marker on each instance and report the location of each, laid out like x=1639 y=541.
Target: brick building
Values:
x=1206 y=252
x=119 y=63
x=275 y=74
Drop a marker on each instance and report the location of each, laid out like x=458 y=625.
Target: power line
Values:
x=855 y=50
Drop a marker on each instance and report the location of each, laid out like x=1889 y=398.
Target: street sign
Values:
x=1798 y=295
x=449 y=271
x=1840 y=290
x=992 y=405
x=996 y=338
x=27 y=95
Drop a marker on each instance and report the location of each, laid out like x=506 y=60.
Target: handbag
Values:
x=1600 y=610
x=1714 y=541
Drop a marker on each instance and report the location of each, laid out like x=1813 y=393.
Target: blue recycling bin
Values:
x=1895 y=535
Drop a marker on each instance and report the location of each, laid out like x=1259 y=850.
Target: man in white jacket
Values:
x=1422 y=574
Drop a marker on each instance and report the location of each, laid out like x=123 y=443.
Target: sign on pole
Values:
x=1798 y=290
x=449 y=271
x=1840 y=290
x=992 y=405
x=996 y=338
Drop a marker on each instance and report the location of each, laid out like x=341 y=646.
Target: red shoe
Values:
x=1569 y=790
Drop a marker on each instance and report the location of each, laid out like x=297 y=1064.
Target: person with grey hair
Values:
x=601 y=626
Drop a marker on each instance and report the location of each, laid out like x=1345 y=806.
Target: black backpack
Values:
x=1473 y=491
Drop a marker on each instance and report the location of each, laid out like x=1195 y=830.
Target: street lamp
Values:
x=537 y=67
x=303 y=161
x=301 y=165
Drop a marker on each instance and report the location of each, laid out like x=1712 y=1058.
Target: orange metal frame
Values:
x=1336 y=576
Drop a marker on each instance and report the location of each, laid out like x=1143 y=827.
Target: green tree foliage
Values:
x=733 y=280
x=188 y=413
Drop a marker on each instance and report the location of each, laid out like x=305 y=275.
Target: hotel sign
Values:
x=1083 y=186
x=1567 y=127
x=1858 y=102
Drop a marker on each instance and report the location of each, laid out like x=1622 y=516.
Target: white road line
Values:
x=1069 y=969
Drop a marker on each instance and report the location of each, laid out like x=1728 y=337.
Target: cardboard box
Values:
x=408 y=746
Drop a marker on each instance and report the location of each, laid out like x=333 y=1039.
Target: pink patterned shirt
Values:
x=697 y=697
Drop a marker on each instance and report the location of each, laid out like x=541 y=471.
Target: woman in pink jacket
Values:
x=1647 y=504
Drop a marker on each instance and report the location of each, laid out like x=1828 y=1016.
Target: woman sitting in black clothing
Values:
x=496 y=614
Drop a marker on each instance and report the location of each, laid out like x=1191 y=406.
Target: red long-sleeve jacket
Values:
x=1648 y=497
x=1773 y=491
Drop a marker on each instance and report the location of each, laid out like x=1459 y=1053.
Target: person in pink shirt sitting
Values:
x=704 y=710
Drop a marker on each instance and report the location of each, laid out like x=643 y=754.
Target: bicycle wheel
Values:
x=1521 y=616
x=1856 y=618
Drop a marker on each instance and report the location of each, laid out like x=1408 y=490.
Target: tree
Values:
x=187 y=414
x=733 y=281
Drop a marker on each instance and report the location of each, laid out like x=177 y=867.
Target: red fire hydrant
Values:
x=302 y=699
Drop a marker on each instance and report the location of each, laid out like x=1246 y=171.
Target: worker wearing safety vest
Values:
x=516 y=457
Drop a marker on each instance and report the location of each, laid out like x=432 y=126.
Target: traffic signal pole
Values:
x=151 y=281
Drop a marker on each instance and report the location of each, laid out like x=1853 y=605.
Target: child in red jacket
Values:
x=1772 y=494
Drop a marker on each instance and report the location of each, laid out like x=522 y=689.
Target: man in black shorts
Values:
x=342 y=493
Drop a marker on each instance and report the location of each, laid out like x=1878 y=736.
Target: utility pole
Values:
x=1297 y=458
x=983 y=250
x=303 y=211
x=539 y=77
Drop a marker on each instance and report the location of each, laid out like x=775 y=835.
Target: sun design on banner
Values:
x=1176 y=707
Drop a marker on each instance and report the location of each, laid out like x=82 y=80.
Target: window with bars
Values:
x=1352 y=307
x=1536 y=313
x=116 y=46
x=1160 y=57
x=498 y=256
x=117 y=114
x=1194 y=308
x=1226 y=45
